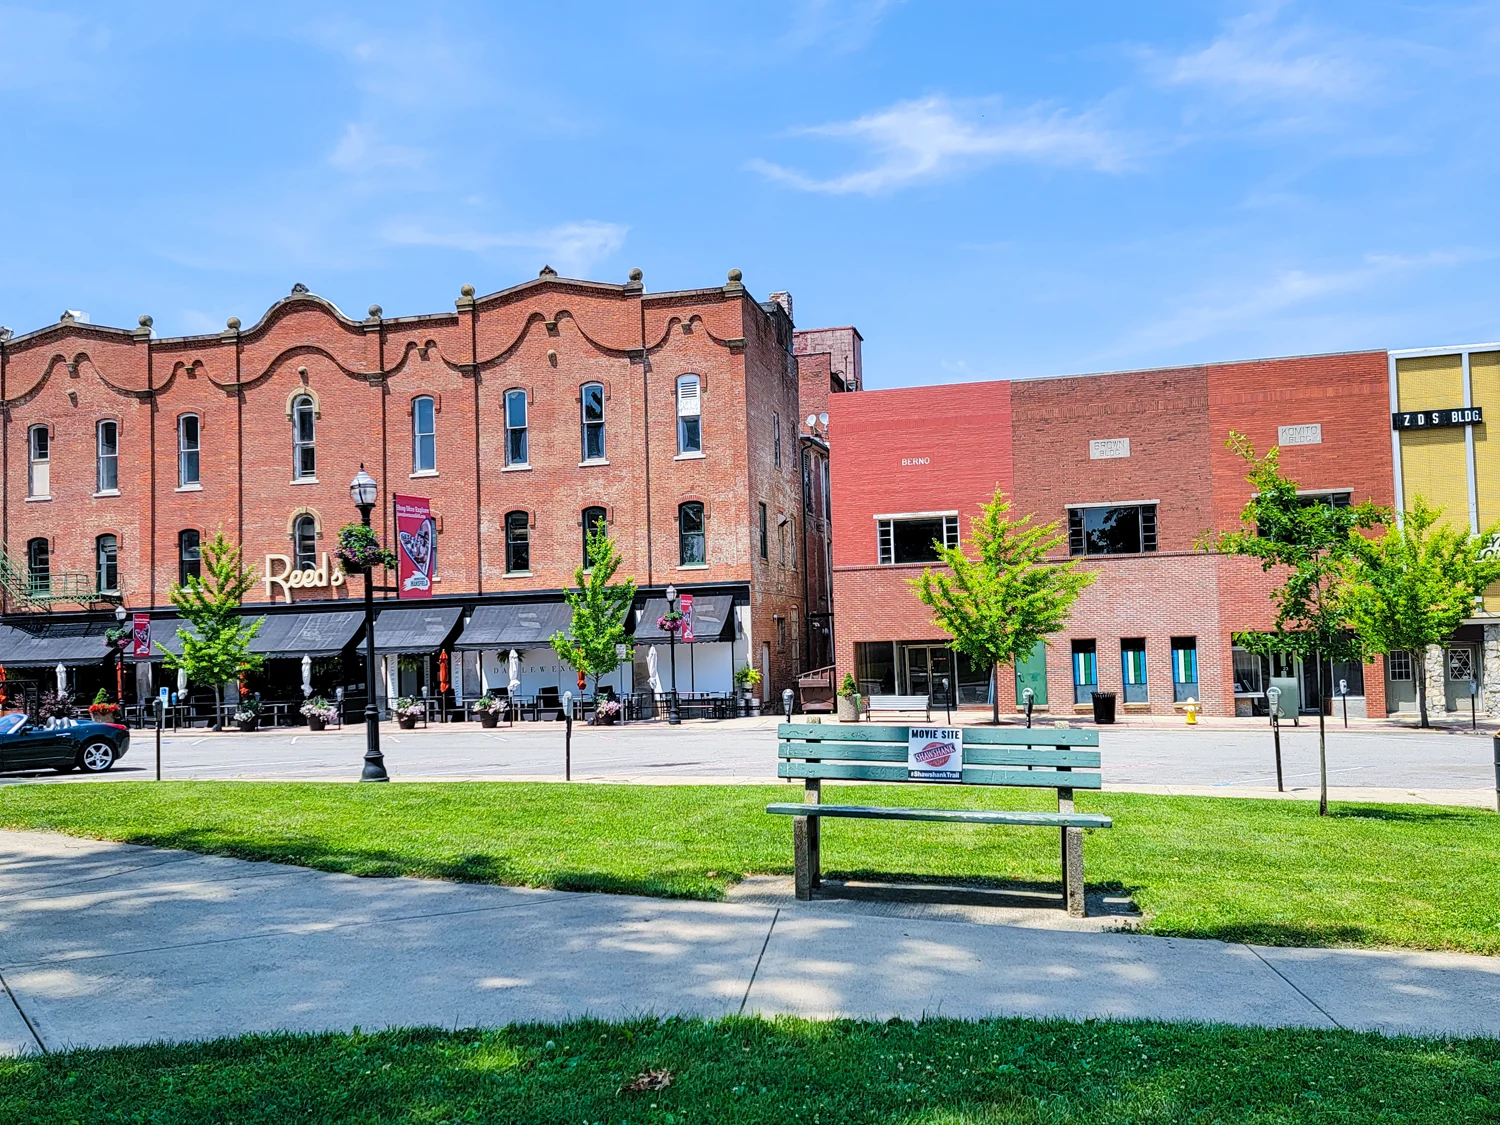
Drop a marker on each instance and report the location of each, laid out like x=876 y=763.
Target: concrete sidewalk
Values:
x=105 y=943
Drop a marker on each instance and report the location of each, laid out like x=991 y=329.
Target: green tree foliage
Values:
x=1414 y=585
x=599 y=612
x=1000 y=594
x=1311 y=545
x=217 y=647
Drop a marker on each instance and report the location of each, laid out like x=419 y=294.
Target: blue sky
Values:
x=985 y=190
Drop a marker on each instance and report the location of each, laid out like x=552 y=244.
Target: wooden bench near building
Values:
x=1063 y=760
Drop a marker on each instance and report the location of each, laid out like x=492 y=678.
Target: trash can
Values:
x=1104 y=706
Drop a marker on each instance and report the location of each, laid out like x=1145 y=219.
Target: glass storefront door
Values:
x=927 y=666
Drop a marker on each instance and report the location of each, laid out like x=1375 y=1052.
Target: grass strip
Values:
x=938 y=1072
x=1271 y=872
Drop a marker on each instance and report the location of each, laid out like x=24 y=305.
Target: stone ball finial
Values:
x=233 y=322
x=636 y=274
x=547 y=271
x=735 y=275
x=4 y=333
x=466 y=290
x=375 y=311
x=146 y=321
x=300 y=288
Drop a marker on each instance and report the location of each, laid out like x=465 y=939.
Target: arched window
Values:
x=776 y=437
x=594 y=519
x=188 y=447
x=304 y=437
x=107 y=564
x=305 y=542
x=591 y=404
x=423 y=435
x=39 y=474
x=517 y=542
x=689 y=415
x=107 y=467
x=516 y=452
x=39 y=566
x=189 y=556
x=691 y=540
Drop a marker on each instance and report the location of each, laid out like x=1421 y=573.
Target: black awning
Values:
x=526 y=625
x=713 y=618
x=414 y=630
x=51 y=643
x=307 y=634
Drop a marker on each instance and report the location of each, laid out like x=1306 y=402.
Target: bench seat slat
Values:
x=960 y=816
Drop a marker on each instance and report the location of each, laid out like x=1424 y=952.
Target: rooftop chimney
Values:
x=785 y=301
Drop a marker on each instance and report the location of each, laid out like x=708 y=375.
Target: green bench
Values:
x=1011 y=757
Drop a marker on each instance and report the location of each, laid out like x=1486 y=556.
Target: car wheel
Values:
x=96 y=757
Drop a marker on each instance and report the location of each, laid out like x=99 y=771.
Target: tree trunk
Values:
x=995 y=695
x=1419 y=665
x=1322 y=747
x=218 y=707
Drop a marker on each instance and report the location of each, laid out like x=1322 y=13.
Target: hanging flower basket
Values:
x=359 y=550
x=669 y=622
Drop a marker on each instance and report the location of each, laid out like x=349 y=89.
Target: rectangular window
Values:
x=1126 y=529
x=1399 y=665
x=776 y=438
x=914 y=540
x=517 y=543
x=189 y=557
x=689 y=415
x=1185 y=669
x=107 y=474
x=516 y=451
x=691 y=538
x=781 y=539
x=107 y=570
x=1133 y=667
x=1251 y=672
x=764 y=546
x=791 y=538
x=780 y=634
x=188 y=450
x=807 y=479
x=39 y=566
x=39 y=475
x=875 y=667
x=1085 y=671
x=304 y=439
x=592 y=405
x=424 y=435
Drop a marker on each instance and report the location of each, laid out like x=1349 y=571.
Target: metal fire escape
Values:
x=21 y=593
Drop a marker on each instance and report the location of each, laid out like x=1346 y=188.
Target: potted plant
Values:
x=248 y=715
x=408 y=711
x=490 y=708
x=102 y=710
x=319 y=713
x=849 y=699
x=606 y=712
x=745 y=678
x=669 y=622
x=359 y=550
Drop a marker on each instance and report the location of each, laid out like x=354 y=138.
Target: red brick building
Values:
x=1134 y=468
x=522 y=415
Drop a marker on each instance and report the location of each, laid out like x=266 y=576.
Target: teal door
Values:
x=1032 y=673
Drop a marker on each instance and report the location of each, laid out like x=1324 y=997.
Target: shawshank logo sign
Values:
x=934 y=754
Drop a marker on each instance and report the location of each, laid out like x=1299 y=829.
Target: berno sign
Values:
x=1430 y=419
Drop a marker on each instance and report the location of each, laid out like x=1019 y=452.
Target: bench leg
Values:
x=812 y=794
x=1072 y=871
x=802 y=855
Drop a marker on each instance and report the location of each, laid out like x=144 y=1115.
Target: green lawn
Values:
x=1264 y=871
x=746 y=1071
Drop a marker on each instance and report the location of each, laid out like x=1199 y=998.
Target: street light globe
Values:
x=363 y=490
x=119 y=613
x=671 y=593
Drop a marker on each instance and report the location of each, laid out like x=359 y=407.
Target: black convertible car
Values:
x=60 y=745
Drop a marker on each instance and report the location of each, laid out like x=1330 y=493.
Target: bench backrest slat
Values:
x=1050 y=779
x=846 y=751
x=841 y=771
x=973 y=755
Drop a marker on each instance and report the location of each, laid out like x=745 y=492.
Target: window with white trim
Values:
x=107 y=564
x=591 y=409
x=189 y=450
x=424 y=434
x=39 y=566
x=304 y=438
x=107 y=468
x=189 y=556
x=517 y=542
x=692 y=536
x=689 y=414
x=516 y=448
x=39 y=464
x=914 y=539
x=305 y=542
x=1398 y=664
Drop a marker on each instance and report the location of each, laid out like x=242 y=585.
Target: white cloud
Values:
x=840 y=25
x=1255 y=58
x=569 y=247
x=361 y=150
x=932 y=137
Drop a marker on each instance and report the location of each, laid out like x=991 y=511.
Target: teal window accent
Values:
x=1085 y=671
x=1185 y=669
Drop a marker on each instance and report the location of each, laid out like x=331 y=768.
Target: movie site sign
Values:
x=934 y=754
x=416 y=552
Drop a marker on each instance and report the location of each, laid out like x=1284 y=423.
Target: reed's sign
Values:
x=280 y=572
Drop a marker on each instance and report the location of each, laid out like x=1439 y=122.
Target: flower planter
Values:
x=406 y=722
x=104 y=714
x=316 y=722
x=248 y=725
x=489 y=719
x=848 y=709
x=605 y=720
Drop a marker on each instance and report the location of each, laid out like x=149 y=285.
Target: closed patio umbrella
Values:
x=62 y=679
x=443 y=681
x=651 y=677
x=307 y=676
x=513 y=666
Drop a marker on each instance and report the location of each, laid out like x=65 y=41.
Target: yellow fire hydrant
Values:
x=1191 y=707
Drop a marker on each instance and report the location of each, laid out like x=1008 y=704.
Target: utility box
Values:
x=1290 y=703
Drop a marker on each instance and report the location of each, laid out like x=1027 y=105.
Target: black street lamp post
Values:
x=363 y=491
x=673 y=718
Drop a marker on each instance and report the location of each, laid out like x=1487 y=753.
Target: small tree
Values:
x=599 y=612
x=1312 y=545
x=999 y=603
x=217 y=649
x=1414 y=585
